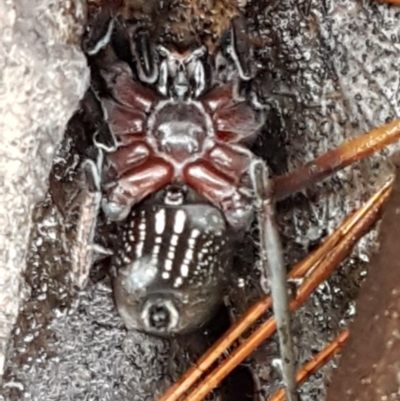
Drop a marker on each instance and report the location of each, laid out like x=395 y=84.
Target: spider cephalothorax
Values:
x=182 y=131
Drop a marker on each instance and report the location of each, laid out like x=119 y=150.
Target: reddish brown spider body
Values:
x=179 y=178
x=180 y=161
x=183 y=185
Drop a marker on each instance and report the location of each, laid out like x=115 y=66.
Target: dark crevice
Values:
x=240 y=385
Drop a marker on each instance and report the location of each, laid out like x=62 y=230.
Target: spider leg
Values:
x=125 y=90
x=240 y=49
x=274 y=269
x=145 y=56
x=135 y=185
x=221 y=190
x=322 y=167
x=125 y=158
x=236 y=122
x=100 y=32
x=82 y=253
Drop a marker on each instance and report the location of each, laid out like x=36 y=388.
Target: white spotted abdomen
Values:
x=172 y=262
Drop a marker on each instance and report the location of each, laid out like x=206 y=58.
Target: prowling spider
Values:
x=179 y=177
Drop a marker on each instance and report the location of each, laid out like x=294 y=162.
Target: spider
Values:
x=179 y=177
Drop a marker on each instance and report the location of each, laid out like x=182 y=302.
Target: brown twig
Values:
x=316 y=363
x=339 y=243
x=351 y=151
x=393 y=2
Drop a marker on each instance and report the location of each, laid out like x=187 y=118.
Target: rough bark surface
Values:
x=43 y=74
x=369 y=367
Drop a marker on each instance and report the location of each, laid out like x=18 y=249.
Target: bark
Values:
x=369 y=368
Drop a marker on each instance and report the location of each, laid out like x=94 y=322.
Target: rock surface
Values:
x=43 y=75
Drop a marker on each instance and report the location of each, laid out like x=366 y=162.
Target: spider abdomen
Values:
x=172 y=262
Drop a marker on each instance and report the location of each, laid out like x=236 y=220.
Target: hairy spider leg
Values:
x=274 y=268
x=89 y=204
